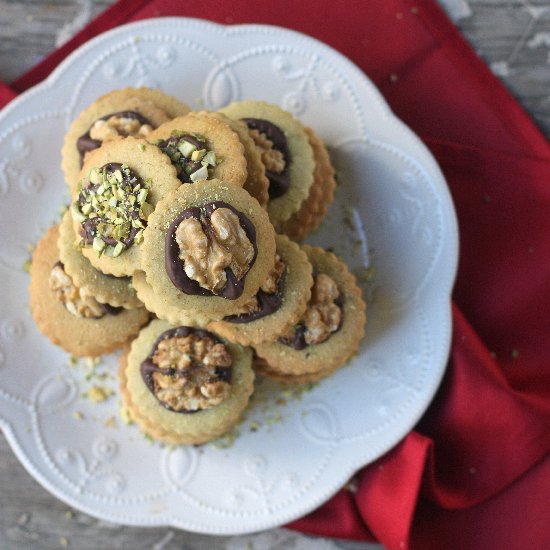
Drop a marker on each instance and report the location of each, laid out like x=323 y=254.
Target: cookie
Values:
x=256 y=182
x=279 y=303
x=285 y=151
x=331 y=329
x=321 y=194
x=206 y=250
x=121 y=182
x=70 y=317
x=155 y=303
x=262 y=367
x=107 y=289
x=202 y=147
x=128 y=112
x=184 y=385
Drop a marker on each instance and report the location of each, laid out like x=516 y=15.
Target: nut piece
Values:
x=269 y=286
x=209 y=245
x=191 y=156
x=115 y=126
x=112 y=209
x=272 y=158
x=79 y=303
x=322 y=317
x=190 y=379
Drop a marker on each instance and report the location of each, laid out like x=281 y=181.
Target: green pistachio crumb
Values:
x=118 y=249
x=110 y=422
x=198 y=154
x=186 y=148
x=98 y=245
x=94 y=176
x=125 y=414
x=98 y=394
x=200 y=174
x=77 y=214
x=227 y=440
x=209 y=158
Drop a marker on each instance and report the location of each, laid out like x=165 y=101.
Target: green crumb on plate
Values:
x=98 y=394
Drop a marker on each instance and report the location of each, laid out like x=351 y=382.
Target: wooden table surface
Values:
x=512 y=36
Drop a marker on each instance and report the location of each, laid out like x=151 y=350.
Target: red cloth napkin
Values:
x=476 y=471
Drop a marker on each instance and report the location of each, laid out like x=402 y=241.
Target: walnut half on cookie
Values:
x=206 y=250
x=184 y=385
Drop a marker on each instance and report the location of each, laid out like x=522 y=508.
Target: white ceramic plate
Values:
x=393 y=213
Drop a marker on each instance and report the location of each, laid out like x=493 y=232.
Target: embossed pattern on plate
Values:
x=392 y=217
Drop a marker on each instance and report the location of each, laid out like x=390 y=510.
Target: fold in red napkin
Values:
x=476 y=472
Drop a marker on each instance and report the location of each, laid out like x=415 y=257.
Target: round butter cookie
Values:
x=73 y=318
x=330 y=330
x=262 y=368
x=285 y=152
x=201 y=146
x=256 y=182
x=278 y=305
x=121 y=182
x=154 y=302
x=184 y=385
x=206 y=251
x=321 y=194
x=107 y=289
x=127 y=112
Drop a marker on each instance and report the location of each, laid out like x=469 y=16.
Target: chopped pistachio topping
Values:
x=112 y=209
x=190 y=155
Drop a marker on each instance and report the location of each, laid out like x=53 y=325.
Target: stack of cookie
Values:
x=192 y=218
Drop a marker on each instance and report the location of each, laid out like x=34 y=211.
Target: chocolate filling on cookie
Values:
x=209 y=250
x=112 y=209
x=267 y=300
x=125 y=123
x=271 y=141
x=190 y=155
x=323 y=317
x=188 y=370
x=76 y=300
